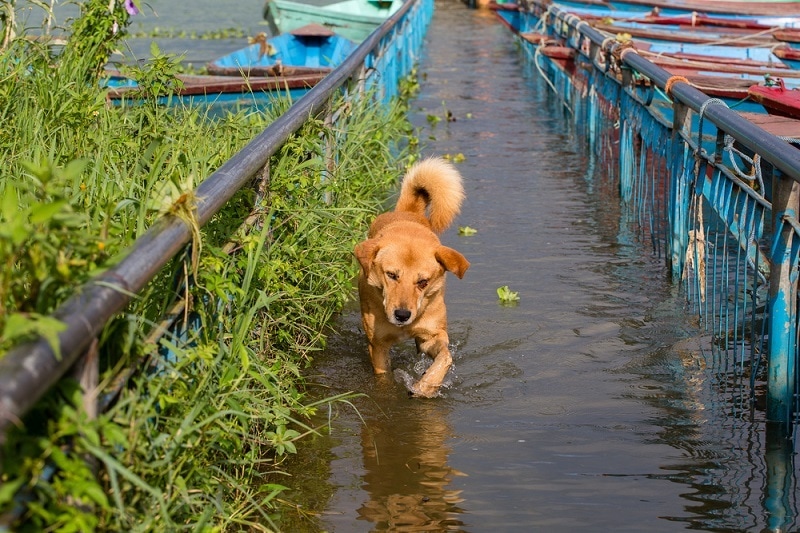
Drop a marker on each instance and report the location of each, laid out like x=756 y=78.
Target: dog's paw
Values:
x=420 y=389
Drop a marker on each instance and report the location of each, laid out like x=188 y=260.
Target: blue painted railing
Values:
x=724 y=218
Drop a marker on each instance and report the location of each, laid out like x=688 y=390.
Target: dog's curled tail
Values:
x=432 y=188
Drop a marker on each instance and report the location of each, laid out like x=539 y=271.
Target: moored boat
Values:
x=309 y=49
x=732 y=13
x=777 y=99
x=353 y=19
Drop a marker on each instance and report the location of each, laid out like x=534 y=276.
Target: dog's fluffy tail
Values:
x=432 y=188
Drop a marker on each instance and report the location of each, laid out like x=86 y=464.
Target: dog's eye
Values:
x=392 y=275
x=422 y=283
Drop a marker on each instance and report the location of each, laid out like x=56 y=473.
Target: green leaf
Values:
x=506 y=295
x=94 y=492
x=9 y=489
x=19 y=326
x=10 y=205
x=44 y=212
x=74 y=168
x=43 y=172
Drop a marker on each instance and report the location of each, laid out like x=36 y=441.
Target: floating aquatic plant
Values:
x=507 y=296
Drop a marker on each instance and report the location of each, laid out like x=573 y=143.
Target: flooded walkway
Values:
x=583 y=408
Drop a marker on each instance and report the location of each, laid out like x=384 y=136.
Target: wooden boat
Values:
x=697 y=34
x=353 y=19
x=507 y=13
x=310 y=49
x=788 y=56
x=217 y=90
x=777 y=99
x=768 y=14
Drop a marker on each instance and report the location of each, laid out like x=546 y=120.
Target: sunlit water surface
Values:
x=587 y=406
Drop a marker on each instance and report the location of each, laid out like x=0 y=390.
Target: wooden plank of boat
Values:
x=789 y=56
x=790 y=36
x=719 y=64
x=726 y=7
x=719 y=86
x=776 y=125
x=701 y=20
x=687 y=34
x=769 y=14
x=204 y=85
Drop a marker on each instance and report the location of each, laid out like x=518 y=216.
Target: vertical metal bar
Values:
x=678 y=197
x=782 y=304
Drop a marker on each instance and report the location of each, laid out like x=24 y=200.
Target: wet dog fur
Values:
x=403 y=265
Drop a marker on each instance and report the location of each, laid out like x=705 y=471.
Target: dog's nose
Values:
x=402 y=315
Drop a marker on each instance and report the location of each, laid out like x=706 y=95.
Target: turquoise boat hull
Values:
x=353 y=19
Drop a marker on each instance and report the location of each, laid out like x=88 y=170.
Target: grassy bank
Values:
x=199 y=420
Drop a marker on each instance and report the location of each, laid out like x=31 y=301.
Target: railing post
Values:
x=782 y=303
x=679 y=193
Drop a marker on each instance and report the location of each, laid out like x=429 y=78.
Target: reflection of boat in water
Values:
x=306 y=50
x=353 y=19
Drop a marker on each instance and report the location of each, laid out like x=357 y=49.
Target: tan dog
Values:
x=403 y=265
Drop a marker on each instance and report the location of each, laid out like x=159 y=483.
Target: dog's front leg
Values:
x=379 y=354
x=436 y=347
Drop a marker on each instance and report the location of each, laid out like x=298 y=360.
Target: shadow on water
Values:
x=594 y=404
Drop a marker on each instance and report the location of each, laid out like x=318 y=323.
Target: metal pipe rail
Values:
x=29 y=370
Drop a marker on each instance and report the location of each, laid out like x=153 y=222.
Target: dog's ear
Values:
x=365 y=253
x=452 y=260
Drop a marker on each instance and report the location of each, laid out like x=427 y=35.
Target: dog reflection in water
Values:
x=403 y=265
x=407 y=475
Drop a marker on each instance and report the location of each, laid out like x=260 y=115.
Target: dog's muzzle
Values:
x=401 y=316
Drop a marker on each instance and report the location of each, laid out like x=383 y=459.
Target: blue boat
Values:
x=309 y=49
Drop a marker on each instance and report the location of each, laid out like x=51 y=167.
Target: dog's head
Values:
x=410 y=273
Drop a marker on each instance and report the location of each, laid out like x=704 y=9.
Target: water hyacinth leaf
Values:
x=506 y=295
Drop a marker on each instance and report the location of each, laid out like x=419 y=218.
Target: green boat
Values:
x=353 y=19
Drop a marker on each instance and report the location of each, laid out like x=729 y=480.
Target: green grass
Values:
x=196 y=437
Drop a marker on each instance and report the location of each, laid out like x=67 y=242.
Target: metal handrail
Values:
x=28 y=371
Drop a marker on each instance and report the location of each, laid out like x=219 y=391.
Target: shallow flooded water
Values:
x=588 y=405
x=591 y=405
